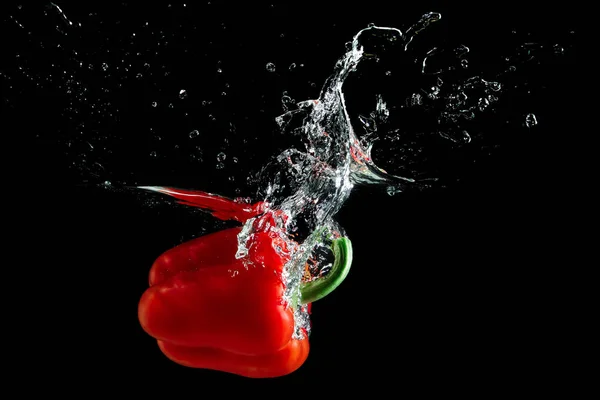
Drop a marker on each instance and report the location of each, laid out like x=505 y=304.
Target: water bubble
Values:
x=170 y=105
x=270 y=67
x=104 y=66
x=235 y=160
x=416 y=99
x=464 y=63
x=292 y=66
x=512 y=68
x=530 y=120
x=154 y=104
x=466 y=138
x=153 y=154
x=219 y=71
x=220 y=166
x=392 y=190
x=221 y=156
x=483 y=103
x=139 y=75
x=183 y=94
x=194 y=134
x=558 y=49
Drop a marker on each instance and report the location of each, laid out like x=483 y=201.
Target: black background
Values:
x=452 y=290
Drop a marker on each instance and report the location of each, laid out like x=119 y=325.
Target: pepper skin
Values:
x=209 y=310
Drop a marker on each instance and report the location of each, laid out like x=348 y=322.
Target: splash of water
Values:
x=311 y=184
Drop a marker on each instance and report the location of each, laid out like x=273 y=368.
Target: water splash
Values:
x=310 y=185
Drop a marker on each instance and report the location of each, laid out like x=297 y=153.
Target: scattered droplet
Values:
x=558 y=49
x=392 y=190
x=270 y=67
x=530 y=120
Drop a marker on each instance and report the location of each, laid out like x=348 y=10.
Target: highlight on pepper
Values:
x=209 y=307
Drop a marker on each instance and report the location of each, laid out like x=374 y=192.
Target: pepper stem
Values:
x=321 y=287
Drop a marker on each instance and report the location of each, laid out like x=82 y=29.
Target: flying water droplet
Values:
x=530 y=120
x=392 y=190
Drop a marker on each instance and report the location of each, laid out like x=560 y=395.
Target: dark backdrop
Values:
x=451 y=289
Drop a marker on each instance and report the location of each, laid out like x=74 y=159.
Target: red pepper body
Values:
x=209 y=310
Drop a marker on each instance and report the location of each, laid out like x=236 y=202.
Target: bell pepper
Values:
x=209 y=309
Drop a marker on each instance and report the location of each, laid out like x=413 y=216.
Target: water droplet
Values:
x=194 y=133
x=235 y=160
x=139 y=75
x=466 y=138
x=221 y=156
x=183 y=94
x=464 y=63
x=219 y=71
x=416 y=99
x=153 y=154
x=270 y=67
x=483 y=103
x=392 y=190
x=530 y=120
x=104 y=66
x=154 y=104
x=292 y=66
x=220 y=166
x=512 y=68
x=558 y=49
x=170 y=105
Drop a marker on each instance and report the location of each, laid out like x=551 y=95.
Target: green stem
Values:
x=321 y=287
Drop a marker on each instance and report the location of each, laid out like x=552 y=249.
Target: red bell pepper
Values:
x=208 y=309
